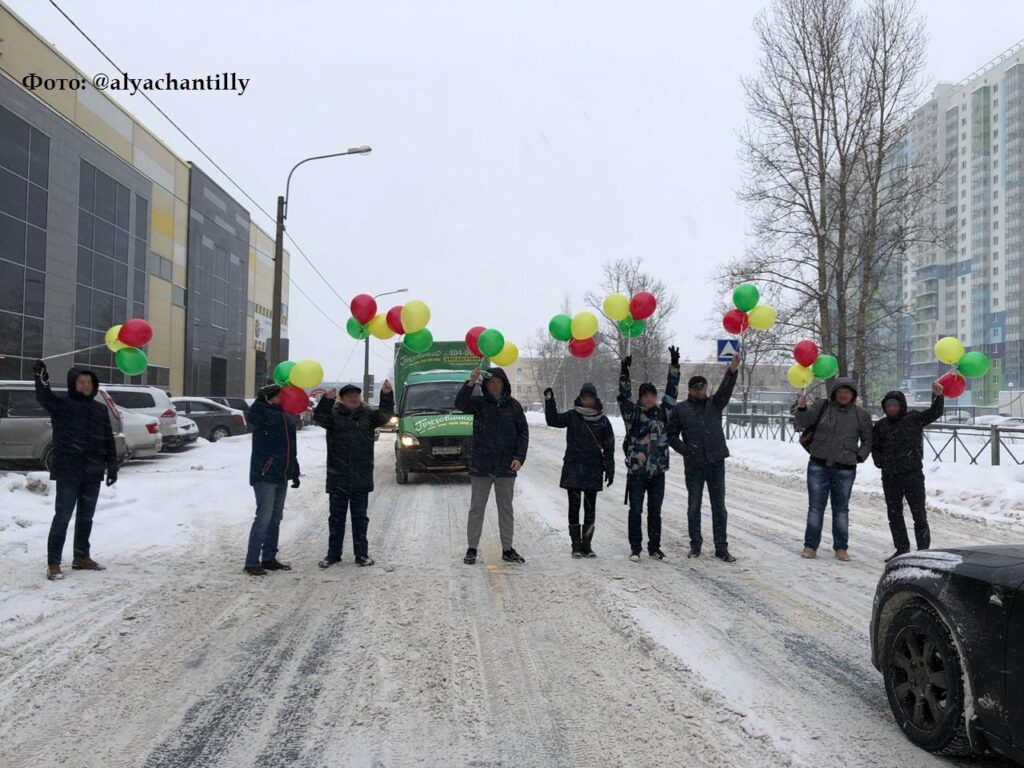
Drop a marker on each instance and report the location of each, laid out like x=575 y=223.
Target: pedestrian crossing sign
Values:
x=728 y=349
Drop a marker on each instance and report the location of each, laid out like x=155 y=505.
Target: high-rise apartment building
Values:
x=971 y=284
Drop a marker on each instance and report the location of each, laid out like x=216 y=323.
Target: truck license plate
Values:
x=447 y=450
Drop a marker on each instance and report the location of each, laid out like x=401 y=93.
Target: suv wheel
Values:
x=219 y=433
x=48 y=457
x=924 y=680
x=401 y=473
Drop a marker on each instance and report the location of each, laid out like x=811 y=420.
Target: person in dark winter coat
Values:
x=898 y=450
x=500 y=440
x=350 y=426
x=83 y=450
x=647 y=453
x=837 y=433
x=695 y=431
x=273 y=462
x=589 y=461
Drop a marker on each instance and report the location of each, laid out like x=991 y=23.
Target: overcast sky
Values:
x=517 y=146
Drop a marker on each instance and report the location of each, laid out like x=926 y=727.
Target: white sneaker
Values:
x=635 y=557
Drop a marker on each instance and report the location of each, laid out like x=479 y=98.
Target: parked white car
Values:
x=141 y=434
x=150 y=401
x=188 y=433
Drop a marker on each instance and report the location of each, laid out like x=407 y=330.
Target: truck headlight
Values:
x=409 y=441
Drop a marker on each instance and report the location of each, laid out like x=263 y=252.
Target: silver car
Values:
x=26 y=437
x=141 y=434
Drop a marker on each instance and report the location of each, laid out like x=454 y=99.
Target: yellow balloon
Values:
x=949 y=350
x=111 y=340
x=306 y=374
x=379 y=328
x=799 y=376
x=616 y=307
x=584 y=325
x=762 y=317
x=508 y=355
x=415 y=316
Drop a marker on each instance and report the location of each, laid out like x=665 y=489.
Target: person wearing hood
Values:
x=837 y=434
x=589 y=461
x=898 y=450
x=83 y=451
x=273 y=462
x=350 y=425
x=500 y=440
x=695 y=431
x=647 y=453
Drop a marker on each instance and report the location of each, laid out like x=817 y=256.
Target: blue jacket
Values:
x=274 y=459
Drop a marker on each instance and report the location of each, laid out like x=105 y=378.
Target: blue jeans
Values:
x=82 y=495
x=712 y=475
x=824 y=483
x=267 y=524
x=340 y=504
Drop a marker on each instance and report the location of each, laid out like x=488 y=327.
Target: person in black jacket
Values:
x=350 y=424
x=647 y=453
x=589 y=460
x=695 y=431
x=898 y=450
x=83 y=449
x=273 y=462
x=500 y=439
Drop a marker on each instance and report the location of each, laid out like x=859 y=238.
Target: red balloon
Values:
x=364 y=308
x=135 y=333
x=953 y=385
x=473 y=339
x=735 y=321
x=582 y=348
x=394 y=318
x=806 y=352
x=294 y=400
x=642 y=305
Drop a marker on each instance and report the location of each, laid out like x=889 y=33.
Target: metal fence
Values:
x=989 y=445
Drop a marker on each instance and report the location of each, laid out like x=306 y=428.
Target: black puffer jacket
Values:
x=899 y=443
x=500 y=432
x=83 y=442
x=695 y=426
x=589 y=446
x=350 y=442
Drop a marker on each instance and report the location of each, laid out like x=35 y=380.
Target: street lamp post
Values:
x=366 y=350
x=282 y=213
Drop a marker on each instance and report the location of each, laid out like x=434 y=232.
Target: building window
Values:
x=995 y=302
x=995 y=209
x=995 y=240
x=24 y=203
x=178 y=295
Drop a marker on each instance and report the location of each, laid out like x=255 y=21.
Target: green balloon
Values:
x=825 y=367
x=355 y=330
x=420 y=341
x=631 y=328
x=491 y=342
x=745 y=297
x=973 y=365
x=131 y=361
x=282 y=371
x=560 y=327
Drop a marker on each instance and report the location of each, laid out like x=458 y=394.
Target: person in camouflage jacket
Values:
x=646 y=446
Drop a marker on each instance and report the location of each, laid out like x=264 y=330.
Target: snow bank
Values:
x=992 y=494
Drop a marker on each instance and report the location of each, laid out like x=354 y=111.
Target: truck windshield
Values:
x=435 y=397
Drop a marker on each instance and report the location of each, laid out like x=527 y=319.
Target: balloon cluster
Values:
x=810 y=364
x=124 y=341
x=748 y=313
x=409 y=320
x=295 y=378
x=578 y=330
x=630 y=314
x=969 y=365
x=490 y=342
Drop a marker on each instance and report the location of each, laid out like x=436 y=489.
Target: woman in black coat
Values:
x=589 y=460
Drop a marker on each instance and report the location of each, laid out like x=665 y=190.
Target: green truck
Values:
x=432 y=435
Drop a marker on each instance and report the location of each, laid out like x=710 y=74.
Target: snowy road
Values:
x=179 y=660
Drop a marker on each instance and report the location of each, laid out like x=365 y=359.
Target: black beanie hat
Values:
x=588 y=389
x=269 y=391
x=647 y=387
x=696 y=381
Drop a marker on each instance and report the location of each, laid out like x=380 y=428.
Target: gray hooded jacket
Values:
x=843 y=436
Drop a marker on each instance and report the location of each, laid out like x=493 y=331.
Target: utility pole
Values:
x=275 y=328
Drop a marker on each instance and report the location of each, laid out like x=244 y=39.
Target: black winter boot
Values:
x=577 y=544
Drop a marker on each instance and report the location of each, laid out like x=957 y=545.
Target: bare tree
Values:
x=834 y=202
